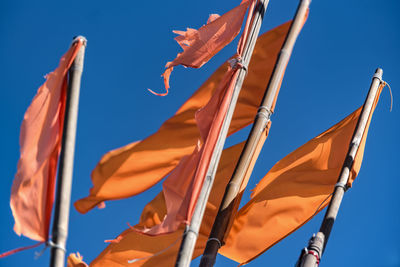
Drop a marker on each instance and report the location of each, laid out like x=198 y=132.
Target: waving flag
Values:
x=199 y=46
x=145 y=250
x=292 y=191
x=32 y=192
x=134 y=168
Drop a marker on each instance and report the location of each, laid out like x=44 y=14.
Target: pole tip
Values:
x=79 y=38
x=378 y=73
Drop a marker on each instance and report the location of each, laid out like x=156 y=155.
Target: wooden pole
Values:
x=64 y=181
x=228 y=203
x=311 y=255
x=191 y=232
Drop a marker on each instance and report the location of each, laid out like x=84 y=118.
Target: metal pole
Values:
x=192 y=230
x=64 y=181
x=228 y=203
x=311 y=255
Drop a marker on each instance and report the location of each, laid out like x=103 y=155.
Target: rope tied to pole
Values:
x=51 y=244
x=342 y=185
x=262 y=114
x=315 y=254
x=384 y=85
x=237 y=63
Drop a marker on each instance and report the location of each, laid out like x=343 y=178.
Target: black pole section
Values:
x=311 y=255
x=64 y=181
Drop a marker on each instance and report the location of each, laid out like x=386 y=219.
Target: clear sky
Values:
x=129 y=42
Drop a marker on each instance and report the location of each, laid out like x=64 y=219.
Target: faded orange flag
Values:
x=285 y=199
x=144 y=250
x=134 y=168
x=32 y=192
x=161 y=250
x=293 y=190
x=199 y=46
x=182 y=187
x=76 y=260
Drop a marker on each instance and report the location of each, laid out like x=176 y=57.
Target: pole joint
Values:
x=264 y=112
x=190 y=230
x=216 y=240
x=342 y=185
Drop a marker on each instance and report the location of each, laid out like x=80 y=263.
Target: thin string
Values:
x=38 y=254
x=11 y=252
x=51 y=244
x=391 y=95
x=384 y=84
x=316 y=211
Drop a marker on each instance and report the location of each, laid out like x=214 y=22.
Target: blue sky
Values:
x=129 y=42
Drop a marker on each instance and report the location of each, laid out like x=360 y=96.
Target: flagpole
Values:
x=229 y=201
x=191 y=232
x=311 y=255
x=64 y=181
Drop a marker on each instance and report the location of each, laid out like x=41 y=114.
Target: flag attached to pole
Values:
x=32 y=193
x=199 y=46
x=134 y=168
x=284 y=200
x=294 y=190
x=161 y=250
x=121 y=250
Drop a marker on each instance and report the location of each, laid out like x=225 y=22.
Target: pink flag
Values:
x=32 y=193
x=199 y=46
x=182 y=188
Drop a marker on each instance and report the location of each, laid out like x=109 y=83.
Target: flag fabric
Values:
x=161 y=250
x=199 y=46
x=76 y=260
x=134 y=168
x=32 y=192
x=181 y=200
x=285 y=199
x=292 y=191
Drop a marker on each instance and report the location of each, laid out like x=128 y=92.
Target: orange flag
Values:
x=284 y=200
x=132 y=169
x=199 y=46
x=75 y=260
x=290 y=194
x=191 y=171
x=161 y=250
x=32 y=192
